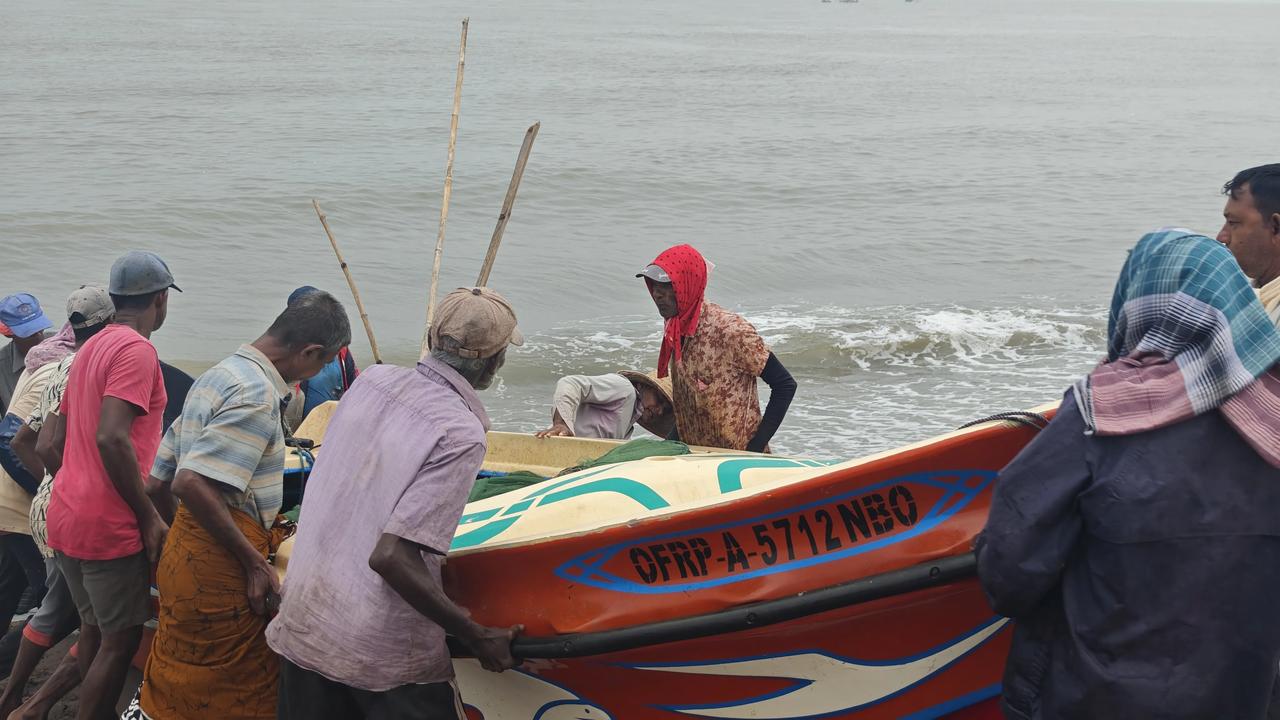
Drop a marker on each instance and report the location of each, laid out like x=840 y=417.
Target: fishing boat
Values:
x=734 y=585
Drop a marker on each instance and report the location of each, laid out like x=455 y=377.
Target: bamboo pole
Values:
x=364 y=317
x=448 y=187
x=507 y=204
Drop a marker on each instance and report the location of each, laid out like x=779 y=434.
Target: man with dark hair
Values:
x=1252 y=230
x=332 y=381
x=404 y=448
x=224 y=460
x=103 y=529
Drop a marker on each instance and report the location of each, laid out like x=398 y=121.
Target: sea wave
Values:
x=869 y=378
x=835 y=341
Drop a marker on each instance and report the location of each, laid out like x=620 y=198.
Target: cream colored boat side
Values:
x=508 y=452
x=599 y=498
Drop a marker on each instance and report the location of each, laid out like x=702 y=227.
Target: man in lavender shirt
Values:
x=361 y=630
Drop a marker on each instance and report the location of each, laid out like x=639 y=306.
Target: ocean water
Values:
x=921 y=205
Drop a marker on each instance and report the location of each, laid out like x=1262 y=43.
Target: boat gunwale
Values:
x=737 y=495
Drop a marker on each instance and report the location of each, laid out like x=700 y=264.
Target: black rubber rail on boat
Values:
x=746 y=617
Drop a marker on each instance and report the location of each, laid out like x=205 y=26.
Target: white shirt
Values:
x=598 y=406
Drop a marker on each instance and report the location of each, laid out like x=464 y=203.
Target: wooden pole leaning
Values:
x=364 y=316
x=448 y=187
x=507 y=204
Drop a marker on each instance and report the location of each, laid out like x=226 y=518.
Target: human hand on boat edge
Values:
x=492 y=646
x=557 y=430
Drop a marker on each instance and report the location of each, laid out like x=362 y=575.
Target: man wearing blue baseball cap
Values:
x=26 y=323
x=104 y=531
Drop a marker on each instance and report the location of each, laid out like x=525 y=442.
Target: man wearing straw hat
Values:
x=610 y=406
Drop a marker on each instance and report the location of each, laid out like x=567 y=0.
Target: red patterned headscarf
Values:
x=688 y=271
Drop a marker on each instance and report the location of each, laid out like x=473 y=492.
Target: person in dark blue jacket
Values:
x=1136 y=540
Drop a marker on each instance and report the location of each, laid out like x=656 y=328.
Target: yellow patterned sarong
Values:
x=210 y=659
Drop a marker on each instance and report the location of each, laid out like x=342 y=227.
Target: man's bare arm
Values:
x=400 y=563
x=24 y=446
x=51 y=441
x=203 y=497
x=120 y=460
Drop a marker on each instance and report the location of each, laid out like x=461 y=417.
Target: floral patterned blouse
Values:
x=717 y=403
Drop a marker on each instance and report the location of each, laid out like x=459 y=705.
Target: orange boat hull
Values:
x=605 y=608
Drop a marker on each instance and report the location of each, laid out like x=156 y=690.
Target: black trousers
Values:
x=21 y=567
x=305 y=695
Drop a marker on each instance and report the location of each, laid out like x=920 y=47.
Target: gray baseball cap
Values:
x=655 y=273
x=89 y=306
x=138 y=272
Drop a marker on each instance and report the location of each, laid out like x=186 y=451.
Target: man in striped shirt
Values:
x=224 y=459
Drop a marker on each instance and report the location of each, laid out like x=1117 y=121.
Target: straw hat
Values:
x=663 y=388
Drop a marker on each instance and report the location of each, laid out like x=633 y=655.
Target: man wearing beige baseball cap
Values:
x=404 y=447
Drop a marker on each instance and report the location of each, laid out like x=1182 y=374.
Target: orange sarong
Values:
x=209 y=659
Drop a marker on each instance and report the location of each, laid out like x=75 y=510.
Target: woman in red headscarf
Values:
x=714 y=357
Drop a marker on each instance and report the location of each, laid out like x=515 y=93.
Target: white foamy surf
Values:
x=870 y=378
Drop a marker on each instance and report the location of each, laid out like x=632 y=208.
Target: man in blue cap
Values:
x=26 y=322
x=104 y=531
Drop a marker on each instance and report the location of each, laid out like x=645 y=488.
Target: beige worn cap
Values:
x=479 y=320
x=89 y=306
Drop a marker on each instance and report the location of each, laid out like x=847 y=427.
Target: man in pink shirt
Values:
x=102 y=527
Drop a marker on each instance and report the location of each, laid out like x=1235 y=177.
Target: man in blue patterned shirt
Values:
x=224 y=460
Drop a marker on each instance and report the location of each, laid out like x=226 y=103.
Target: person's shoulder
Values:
x=464 y=432
x=41 y=376
x=238 y=379
x=31 y=383
x=719 y=313
x=618 y=381
x=383 y=375
x=46 y=370
x=1069 y=408
x=582 y=379
x=722 y=320
x=118 y=340
x=395 y=384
